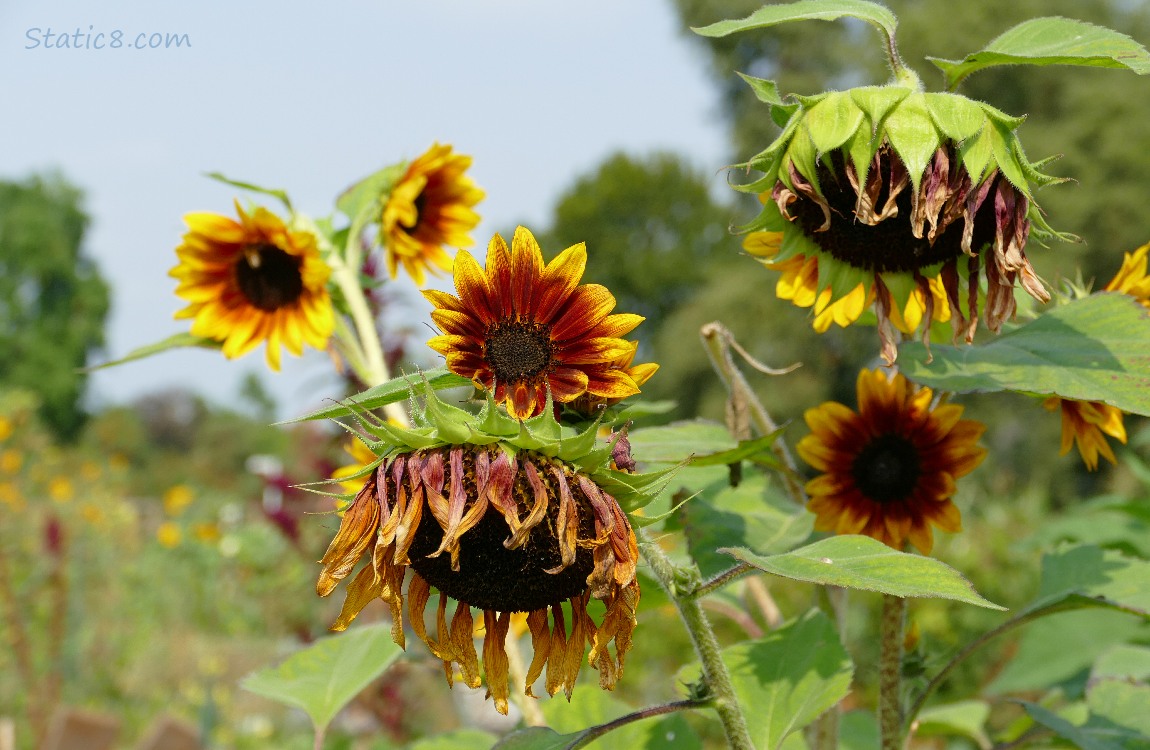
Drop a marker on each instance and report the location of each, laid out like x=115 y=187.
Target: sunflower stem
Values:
x=373 y=368
x=683 y=584
x=890 y=672
x=643 y=713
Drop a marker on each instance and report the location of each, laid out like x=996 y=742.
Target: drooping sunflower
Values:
x=501 y=519
x=891 y=189
x=523 y=331
x=1087 y=423
x=429 y=207
x=799 y=283
x=889 y=469
x=251 y=281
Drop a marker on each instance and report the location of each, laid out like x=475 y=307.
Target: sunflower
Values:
x=524 y=331
x=253 y=281
x=898 y=193
x=429 y=207
x=889 y=470
x=1088 y=423
x=504 y=521
x=1131 y=279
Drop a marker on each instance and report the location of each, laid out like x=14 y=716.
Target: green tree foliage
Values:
x=650 y=225
x=53 y=302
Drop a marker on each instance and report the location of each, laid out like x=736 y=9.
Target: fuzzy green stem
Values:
x=373 y=368
x=890 y=672
x=903 y=75
x=682 y=585
x=666 y=708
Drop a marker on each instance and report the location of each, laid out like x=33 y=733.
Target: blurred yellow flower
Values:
x=1088 y=423
x=206 y=532
x=1131 y=278
x=90 y=470
x=361 y=456
x=5 y=428
x=93 y=514
x=11 y=460
x=177 y=498
x=61 y=489
x=10 y=496
x=169 y=534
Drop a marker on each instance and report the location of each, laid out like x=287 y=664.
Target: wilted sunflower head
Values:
x=526 y=331
x=889 y=469
x=503 y=516
x=905 y=197
x=429 y=207
x=251 y=281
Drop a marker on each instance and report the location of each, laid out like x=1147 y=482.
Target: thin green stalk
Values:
x=890 y=672
x=644 y=713
x=682 y=585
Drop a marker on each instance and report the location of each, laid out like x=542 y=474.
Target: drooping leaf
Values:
x=805 y=10
x=1098 y=733
x=786 y=679
x=676 y=442
x=281 y=195
x=324 y=677
x=1092 y=349
x=859 y=562
x=1086 y=576
x=1051 y=41
x=396 y=389
x=178 y=341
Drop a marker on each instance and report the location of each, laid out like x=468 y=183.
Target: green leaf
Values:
x=1086 y=576
x=858 y=730
x=678 y=441
x=1097 y=733
x=757 y=450
x=281 y=195
x=1092 y=349
x=786 y=679
x=964 y=718
x=539 y=738
x=362 y=200
x=752 y=515
x=956 y=117
x=859 y=562
x=178 y=341
x=1121 y=706
x=396 y=389
x=461 y=739
x=324 y=677
x=1051 y=41
x=768 y=93
x=805 y=10
x=1123 y=662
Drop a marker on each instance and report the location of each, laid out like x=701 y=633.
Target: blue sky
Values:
x=310 y=97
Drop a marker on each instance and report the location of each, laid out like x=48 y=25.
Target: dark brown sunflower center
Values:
x=887 y=469
x=889 y=245
x=518 y=351
x=492 y=577
x=268 y=277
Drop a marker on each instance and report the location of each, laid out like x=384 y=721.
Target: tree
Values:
x=53 y=302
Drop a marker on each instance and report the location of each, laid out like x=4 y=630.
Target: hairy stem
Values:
x=722 y=579
x=682 y=585
x=890 y=672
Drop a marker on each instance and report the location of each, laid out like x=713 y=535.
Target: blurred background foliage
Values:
x=149 y=561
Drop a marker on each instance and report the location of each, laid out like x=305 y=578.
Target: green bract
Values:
x=439 y=424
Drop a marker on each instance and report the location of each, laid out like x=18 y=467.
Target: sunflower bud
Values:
x=903 y=197
x=503 y=516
